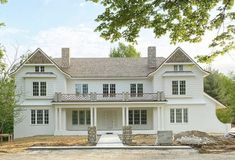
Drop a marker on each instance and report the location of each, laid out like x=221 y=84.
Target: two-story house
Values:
x=64 y=96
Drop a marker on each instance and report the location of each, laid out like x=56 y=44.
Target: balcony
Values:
x=118 y=97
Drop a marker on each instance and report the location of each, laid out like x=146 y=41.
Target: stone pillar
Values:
x=127 y=135
x=91 y=115
x=92 y=136
x=123 y=116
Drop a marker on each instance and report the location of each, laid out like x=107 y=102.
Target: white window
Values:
x=179 y=87
x=137 y=117
x=178 y=67
x=39 y=89
x=81 y=89
x=84 y=117
x=39 y=68
x=39 y=116
x=178 y=115
x=136 y=90
x=109 y=90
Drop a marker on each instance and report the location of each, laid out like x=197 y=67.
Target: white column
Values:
x=155 y=120
x=56 y=119
x=162 y=118
x=158 y=118
x=60 y=119
x=91 y=111
x=95 y=117
x=64 y=119
x=123 y=116
x=127 y=116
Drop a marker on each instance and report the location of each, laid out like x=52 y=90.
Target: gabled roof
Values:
x=38 y=57
x=216 y=101
x=179 y=56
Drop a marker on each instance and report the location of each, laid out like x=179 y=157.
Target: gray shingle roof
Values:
x=108 y=67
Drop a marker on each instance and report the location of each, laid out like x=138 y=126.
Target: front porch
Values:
x=75 y=120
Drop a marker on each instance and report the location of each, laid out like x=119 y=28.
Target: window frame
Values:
x=112 y=90
x=86 y=118
x=178 y=87
x=178 y=68
x=184 y=116
x=136 y=117
x=105 y=90
x=36 y=120
x=36 y=89
x=74 y=117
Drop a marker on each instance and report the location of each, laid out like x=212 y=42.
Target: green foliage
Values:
x=183 y=21
x=222 y=88
x=124 y=51
x=224 y=115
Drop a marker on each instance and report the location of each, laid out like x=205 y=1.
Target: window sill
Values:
x=178 y=96
x=39 y=124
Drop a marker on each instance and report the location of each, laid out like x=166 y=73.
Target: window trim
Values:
x=86 y=113
x=136 y=90
x=178 y=89
x=132 y=112
x=83 y=89
x=44 y=117
x=183 y=119
x=39 y=88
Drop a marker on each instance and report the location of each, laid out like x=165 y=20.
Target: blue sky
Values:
x=53 y=24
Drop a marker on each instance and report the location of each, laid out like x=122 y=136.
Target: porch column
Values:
x=64 y=119
x=56 y=119
x=158 y=118
x=155 y=120
x=91 y=116
x=95 y=117
x=162 y=118
x=127 y=116
x=60 y=118
x=123 y=116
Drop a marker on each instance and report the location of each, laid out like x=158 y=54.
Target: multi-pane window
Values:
x=105 y=90
x=112 y=90
x=179 y=115
x=137 y=117
x=172 y=115
x=109 y=90
x=179 y=87
x=178 y=68
x=35 y=88
x=84 y=117
x=46 y=116
x=81 y=89
x=174 y=87
x=39 y=116
x=39 y=69
x=74 y=117
x=33 y=117
x=133 y=90
x=39 y=89
x=136 y=90
x=43 y=89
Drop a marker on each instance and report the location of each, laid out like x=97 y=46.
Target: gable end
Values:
x=38 y=58
x=178 y=57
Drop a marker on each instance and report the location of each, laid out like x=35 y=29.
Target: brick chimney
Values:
x=65 y=57
x=152 y=57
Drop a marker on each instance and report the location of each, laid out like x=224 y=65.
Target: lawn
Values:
x=22 y=144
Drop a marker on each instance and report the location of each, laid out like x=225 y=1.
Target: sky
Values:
x=54 y=24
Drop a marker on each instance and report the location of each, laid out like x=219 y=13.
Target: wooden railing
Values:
x=125 y=96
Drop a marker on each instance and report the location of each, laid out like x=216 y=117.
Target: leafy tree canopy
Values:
x=124 y=51
x=183 y=21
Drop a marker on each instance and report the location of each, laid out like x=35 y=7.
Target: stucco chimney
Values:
x=65 y=57
x=152 y=57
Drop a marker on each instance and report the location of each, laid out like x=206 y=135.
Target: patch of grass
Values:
x=22 y=144
x=224 y=115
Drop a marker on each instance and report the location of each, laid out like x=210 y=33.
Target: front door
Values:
x=110 y=119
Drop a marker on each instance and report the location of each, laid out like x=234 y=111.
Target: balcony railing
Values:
x=96 y=97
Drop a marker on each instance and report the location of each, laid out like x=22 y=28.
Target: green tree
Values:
x=222 y=88
x=183 y=21
x=124 y=51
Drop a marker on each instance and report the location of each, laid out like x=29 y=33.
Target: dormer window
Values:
x=39 y=69
x=178 y=68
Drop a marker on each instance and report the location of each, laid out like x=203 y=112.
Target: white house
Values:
x=64 y=96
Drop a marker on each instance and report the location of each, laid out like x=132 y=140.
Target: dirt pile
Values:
x=204 y=142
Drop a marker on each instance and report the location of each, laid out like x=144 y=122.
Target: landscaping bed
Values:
x=22 y=144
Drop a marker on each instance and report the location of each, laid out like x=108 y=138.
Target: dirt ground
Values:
x=21 y=144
